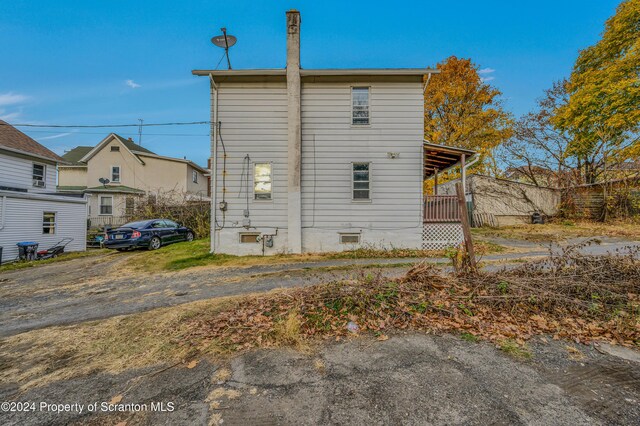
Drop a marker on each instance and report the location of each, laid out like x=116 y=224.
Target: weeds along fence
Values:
x=179 y=207
x=613 y=200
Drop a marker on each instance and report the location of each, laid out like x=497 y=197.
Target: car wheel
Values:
x=155 y=243
x=189 y=236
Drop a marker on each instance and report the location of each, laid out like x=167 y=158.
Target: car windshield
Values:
x=135 y=225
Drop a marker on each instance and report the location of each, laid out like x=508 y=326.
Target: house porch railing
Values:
x=441 y=209
x=111 y=221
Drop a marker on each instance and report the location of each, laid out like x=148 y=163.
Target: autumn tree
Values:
x=462 y=110
x=603 y=111
x=538 y=151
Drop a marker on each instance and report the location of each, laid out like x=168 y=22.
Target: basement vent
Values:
x=115 y=148
x=249 y=237
x=349 y=238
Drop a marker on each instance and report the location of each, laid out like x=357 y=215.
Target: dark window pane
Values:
x=360 y=194
x=360 y=185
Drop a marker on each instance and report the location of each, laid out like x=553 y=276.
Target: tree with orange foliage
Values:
x=462 y=110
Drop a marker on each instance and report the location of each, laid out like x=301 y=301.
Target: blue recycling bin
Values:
x=27 y=250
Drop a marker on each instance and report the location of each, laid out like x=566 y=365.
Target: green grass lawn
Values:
x=196 y=253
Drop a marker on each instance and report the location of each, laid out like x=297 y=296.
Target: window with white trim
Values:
x=106 y=205
x=49 y=223
x=360 y=106
x=115 y=173
x=361 y=183
x=39 y=175
x=262 y=181
x=194 y=176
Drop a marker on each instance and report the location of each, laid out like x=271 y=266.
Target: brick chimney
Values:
x=294 y=134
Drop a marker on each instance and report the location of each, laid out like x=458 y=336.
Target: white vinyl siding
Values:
x=254 y=123
x=23 y=221
x=17 y=172
x=330 y=143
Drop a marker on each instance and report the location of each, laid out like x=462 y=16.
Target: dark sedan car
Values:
x=151 y=234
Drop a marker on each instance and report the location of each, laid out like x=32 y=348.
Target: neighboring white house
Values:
x=314 y=160
x=132 y=172
x=30 y=207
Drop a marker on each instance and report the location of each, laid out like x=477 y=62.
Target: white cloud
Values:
x=11 y=116
x=485 y=79
x=132 y=84
x=486 y=71
x=59 y=135
x=12 y=98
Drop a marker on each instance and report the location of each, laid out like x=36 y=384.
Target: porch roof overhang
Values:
x=439 y=158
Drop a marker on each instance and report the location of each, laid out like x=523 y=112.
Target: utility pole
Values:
x=140 y=131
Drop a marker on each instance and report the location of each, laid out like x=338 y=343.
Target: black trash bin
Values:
x=0 y=255
x=27 y=250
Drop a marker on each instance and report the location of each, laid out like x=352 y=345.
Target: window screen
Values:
x=262 y=181
x=48 y=222
x=106 y=205
x=361 y=182
x=360 y=105
x=115 y=174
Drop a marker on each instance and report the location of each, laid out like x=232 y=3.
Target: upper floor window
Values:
x=194 y=176
x=38 y=175
x=115 y=148
x=262 y=181
x=361 y=181
x=359 y=105
x=115 y=173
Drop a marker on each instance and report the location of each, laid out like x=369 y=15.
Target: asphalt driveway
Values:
x=101 y=287
x=413 y=379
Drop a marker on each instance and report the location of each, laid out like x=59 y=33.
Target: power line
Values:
x=122 y=133
x=85 y=126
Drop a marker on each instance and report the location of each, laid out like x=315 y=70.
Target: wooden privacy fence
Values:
x=441 y=208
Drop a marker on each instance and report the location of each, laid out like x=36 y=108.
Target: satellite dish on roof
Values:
x=104 y=181
x=225 y=41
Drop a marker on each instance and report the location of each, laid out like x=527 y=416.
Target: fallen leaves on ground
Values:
x=569 y=296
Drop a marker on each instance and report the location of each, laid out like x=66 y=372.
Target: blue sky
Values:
x=112 y=62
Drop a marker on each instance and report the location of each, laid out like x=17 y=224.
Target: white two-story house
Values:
x=313 y=160
x=117 y=173
x=30 y=207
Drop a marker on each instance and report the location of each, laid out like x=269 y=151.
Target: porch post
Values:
x=463 y=173
x=435 y=186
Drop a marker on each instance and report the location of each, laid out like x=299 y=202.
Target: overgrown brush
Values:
x=182 y=207
x=569 y=295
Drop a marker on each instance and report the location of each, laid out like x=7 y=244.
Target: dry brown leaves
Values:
x=570 y=296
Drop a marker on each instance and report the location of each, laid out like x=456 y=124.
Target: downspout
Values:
x=426 y=83
x=214 y=162
x=4 y=209
x=464 y=171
